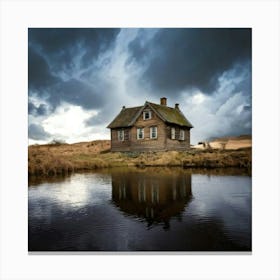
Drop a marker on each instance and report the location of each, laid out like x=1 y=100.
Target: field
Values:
x=227 y=143
x=60 y=159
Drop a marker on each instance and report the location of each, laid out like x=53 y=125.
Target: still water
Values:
x=152 y=209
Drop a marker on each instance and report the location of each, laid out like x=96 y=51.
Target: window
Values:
x=172 y=133
x=153 y=132
x=147 y=115
x=121 y=135
x=140 y=133
x=182 y=134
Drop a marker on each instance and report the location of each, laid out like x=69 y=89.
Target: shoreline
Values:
x=226 y=171
x=63 y=159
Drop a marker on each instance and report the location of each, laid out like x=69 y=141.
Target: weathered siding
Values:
x=117 y=145
x=148 y=144
x=175 y=144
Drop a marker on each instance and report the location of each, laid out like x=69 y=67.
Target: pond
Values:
x=152 y=209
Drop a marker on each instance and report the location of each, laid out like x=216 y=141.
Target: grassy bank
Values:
x=60 y=159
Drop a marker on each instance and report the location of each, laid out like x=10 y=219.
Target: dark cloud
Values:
x=247 y=108
x=245 y=85
x=176 y=59
x=79 y=93
x=39 y=74
x=37 y=132
x=32 y=109
x=42 y=110
x=56 y=51
x=61 y=45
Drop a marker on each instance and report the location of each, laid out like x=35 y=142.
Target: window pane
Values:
x=182 y=134
x=120 y=135
x=147 y=115
x=172 y=132
x=153 y=132
x=140 y=133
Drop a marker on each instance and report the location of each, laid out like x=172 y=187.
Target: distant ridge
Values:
x=227 y=138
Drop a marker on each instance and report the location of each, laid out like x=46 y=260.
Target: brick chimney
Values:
x=163 y=101
x=177 y=106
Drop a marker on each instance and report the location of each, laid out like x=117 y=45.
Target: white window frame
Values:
x=149 y=115
x=173 y=133
x=151 y=132
x=138 y=133
x=121 y=135
x=182 y=135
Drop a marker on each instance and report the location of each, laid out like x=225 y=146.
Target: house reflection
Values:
x=153 y=197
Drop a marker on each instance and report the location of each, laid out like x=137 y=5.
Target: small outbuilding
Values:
x=151 y=127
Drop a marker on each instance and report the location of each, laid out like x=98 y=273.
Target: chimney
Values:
x=177 y=106
x=163 y=101
x=123 y=107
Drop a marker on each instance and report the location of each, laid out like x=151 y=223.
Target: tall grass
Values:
x=52 y=160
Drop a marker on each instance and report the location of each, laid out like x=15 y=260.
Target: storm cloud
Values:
x=39 y=74
x=58 y=59
x=41 y=110
x=179 y=59
x=63 y=45
x=79 y=93
x=85 y=75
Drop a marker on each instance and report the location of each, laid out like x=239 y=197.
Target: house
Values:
x=151 y=127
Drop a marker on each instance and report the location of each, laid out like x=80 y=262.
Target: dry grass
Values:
x=227 y=143
x=62 y=159
x=65 y=158
x=198 y=159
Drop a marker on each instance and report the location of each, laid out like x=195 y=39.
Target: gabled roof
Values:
x=128 y=116
x=124 y=118
x=171 y=115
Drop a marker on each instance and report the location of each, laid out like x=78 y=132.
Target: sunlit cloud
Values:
x=67 y=123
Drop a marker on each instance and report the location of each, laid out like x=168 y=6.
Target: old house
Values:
x=151 y=127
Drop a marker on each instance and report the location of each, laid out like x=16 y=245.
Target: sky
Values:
x=79 y=79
